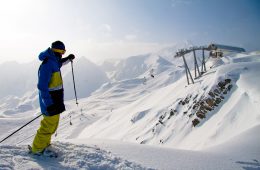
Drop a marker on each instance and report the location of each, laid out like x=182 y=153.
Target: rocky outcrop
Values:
x=197 y=108
x=214 y=98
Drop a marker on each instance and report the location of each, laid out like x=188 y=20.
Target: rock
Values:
x=211 y=94
x=229 y=87
x=218 y=100
x=186 y=100
x=195 y=97
x=201 y=115
x=195 y=122
x=208 y=108
x=227 y=81
x=172 y=113
x=195 y=106
x=221 y=85
x=216 y=91
x=210 y=102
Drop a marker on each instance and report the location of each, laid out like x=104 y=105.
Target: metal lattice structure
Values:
x=215 y=50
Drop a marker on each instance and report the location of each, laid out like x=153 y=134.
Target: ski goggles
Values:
x=58 y=50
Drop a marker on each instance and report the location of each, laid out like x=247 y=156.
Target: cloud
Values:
x=130 y=37
x=106 y=30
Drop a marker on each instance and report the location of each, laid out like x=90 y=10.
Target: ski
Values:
x=45 y=153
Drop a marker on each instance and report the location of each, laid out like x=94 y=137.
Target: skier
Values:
x=144 y=80
x=151 y=73
x=51 y=100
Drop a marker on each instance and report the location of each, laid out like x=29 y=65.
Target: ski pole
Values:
x=74 y=82
x=20 y=128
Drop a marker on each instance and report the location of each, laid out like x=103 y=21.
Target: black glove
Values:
x=51 y=108
x=71 y=57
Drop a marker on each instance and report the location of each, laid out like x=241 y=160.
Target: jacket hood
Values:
x=47 y=54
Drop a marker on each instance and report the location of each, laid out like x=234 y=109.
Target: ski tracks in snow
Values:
x=70 y=157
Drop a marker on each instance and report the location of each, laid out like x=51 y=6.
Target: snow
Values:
x=135 y=121
x=70 y=157
x=165 y=158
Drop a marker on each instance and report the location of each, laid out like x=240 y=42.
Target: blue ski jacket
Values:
x=50 y=84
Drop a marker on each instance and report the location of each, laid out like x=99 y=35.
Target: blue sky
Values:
x=99 y=29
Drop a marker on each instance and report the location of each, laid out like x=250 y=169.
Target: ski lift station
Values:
x=215 y=51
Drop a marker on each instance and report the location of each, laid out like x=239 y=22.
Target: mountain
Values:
x=136 y=66
x=88 y=78
x=139 y=121
x=143 y=65
x=11 y=105
x=174 y=114
x=19 y=90
x=17 y=79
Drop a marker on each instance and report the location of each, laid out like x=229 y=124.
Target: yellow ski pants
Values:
x=49 y=125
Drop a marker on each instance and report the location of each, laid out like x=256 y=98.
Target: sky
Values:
x=101 y=29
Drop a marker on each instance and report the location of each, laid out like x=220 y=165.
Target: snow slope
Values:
x=147 y=118
x=157 y=123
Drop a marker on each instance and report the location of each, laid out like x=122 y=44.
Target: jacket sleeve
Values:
x=44 y=77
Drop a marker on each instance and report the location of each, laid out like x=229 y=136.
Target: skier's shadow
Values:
x=252 y=165
x=51 y=163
